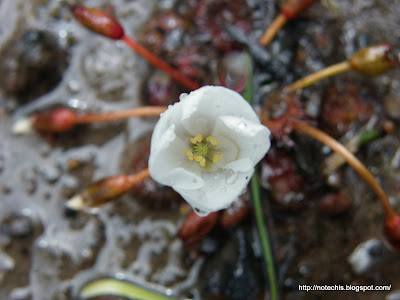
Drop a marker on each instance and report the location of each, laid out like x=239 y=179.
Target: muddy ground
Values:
x=47 y=59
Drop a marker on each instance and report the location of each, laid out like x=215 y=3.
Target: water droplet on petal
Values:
x=242 y=126
x=231 y=177
x=182 y=96
x=200 y=212
x=223 y=189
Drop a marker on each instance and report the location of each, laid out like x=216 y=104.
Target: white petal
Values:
x=183 y=179
x=228 y=148
x=240 y=165
x=168 y=163
x=201 y=108
x=252 y=138
x=171 y=116
x=219 y=191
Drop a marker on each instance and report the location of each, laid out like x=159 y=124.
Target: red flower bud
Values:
x=392 y=231
x=98 y=20
x=292 y=8
x=58 y=120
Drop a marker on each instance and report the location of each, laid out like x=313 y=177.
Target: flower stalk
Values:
x=105 y=24
x=289 y=10
x=351 y=160
x=319 y=75
x=372 y=60
x=258 y=211
x=264 y=239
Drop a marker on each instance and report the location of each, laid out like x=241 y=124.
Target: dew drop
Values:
x=43 y=244
x=183 y=96
x=231 y=177
x=200 y=212
x=242 y=125
x=74 y=87
x=215 y=176
x=223 y=189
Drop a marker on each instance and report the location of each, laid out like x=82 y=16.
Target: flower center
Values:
x=203 y=151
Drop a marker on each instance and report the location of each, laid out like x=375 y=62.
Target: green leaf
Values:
x=115 y=287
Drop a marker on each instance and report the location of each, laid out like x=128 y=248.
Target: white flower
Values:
x=206 y=146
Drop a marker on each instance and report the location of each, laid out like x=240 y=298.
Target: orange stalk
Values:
x=144 y=111
x=272 y=30
x=289 y=10
x=372 y=60
x=351 y=160
x=314 y=77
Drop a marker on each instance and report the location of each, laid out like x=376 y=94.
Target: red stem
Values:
x=158 y=63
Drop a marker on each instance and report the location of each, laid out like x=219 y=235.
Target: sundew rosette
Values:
x=206 y=146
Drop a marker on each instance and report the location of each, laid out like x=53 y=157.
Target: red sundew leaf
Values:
x=392 y=231
x=98 y=20
x=57 y=120
x=292 y=8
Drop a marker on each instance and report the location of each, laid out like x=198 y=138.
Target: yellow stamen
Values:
x=202 y=162
x=199 y=151
x=198 y=158
x=217 y=157
x=213 y=141
x=189 y=154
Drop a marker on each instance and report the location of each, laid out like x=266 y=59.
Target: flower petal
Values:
x=252 y=139
x=210 y=102
x=219 y=191
x=168 y=163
